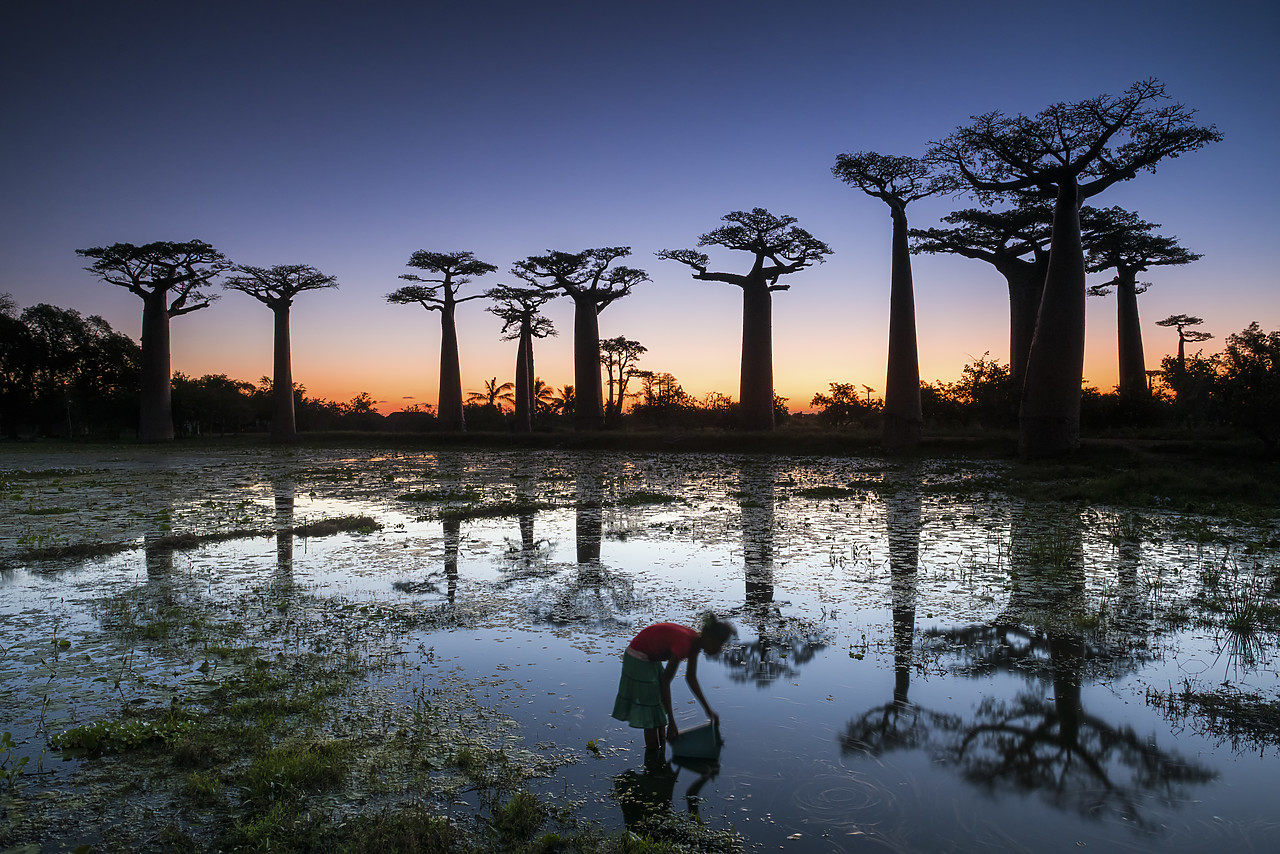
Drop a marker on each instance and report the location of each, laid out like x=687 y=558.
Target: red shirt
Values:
x=665 y=641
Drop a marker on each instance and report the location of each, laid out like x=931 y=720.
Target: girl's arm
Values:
x=665 y=683
x=691 y=676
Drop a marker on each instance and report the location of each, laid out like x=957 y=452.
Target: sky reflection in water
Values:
x=915 y=670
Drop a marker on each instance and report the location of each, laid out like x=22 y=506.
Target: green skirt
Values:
x=639 y=700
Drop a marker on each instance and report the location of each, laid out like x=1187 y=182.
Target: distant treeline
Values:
x=63 y=374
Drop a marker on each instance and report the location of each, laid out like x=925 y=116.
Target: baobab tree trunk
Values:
x=1026 y=287
x=283 y=424
x=1049 y=420
x=903 y=418
x=1133 y=367
x=155 y=423
x=588 y=402
x=523 y=419
x=755 y=392
x=449 y=412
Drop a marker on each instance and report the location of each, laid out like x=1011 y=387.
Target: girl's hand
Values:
x=672 y=731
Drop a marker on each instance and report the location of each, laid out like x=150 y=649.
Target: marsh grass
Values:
x=1244 y=719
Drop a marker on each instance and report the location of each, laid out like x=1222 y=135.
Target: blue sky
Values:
x=347 y=136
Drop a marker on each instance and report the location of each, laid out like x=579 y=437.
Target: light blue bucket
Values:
x=699 y=742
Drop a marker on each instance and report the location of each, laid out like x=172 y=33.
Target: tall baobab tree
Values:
x=1016 y=243
x=275 y=287
x=1116 y=239
x=593 y=283
x=169 y=277
x=521 y=321
x=779 y=248
x=440 y=293
x=897 y=181
x=1068 y=152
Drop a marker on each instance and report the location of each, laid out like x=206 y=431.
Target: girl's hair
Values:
x=716 y=629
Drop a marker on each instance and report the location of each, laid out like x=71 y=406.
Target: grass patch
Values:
x=498 y=510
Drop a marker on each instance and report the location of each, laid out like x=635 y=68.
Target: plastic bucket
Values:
x=699 y=742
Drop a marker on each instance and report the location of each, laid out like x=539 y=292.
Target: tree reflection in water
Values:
x=284 y=492
x=1042 y=740
x=782 y=644
x=591 y=593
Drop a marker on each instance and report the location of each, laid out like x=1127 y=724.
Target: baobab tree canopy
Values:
x=1091 y=144
x=1117 y=239
x=1069 y=152
x=176 y=269
x=770 y=238
x=895 y=179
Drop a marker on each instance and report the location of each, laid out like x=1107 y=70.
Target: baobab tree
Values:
x=440 y=293
x=1068 y=152
x=1116 y=239
x=169 y=277
x=618 y=356
x=789 y=248
x=897 y=181
x=593 y=283
x=1185 y=336
x=1016 y=243
x=275 y=287
x=521 y=322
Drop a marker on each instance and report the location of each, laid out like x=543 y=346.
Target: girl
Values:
x=644 y=691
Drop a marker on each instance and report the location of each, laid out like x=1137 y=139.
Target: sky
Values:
x=346 y=136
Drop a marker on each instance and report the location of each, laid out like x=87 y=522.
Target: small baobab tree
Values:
x=1116 y=239
x=169 y=277
x=275 y=287
x=592 y=281
x=521 y=322
x=1181 y=322
x=780 y=248
x=1068 y=152
x=619 y=356
x=439 y=293
x=897 y=181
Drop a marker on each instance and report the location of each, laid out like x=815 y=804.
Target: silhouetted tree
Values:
x=64 y=374
x=1070 y=152
x=1116 y=239
x=593 y=284
x=564 y=400
x=521 y=322
x=493 y=396
x=1185 y=335
x=1250 y=382
x=1016 y=243
x=897 y=181
x=619 y=356
x=169 y=278
x=275 y=287
x=454 y=270
x=769 y=238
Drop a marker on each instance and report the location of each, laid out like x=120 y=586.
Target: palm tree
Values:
x=563 y=401
x=543 y=397
x=493 y=395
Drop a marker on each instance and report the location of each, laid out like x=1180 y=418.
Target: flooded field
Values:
x=923 y=663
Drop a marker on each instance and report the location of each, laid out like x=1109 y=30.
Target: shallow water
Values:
x=921 y=666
